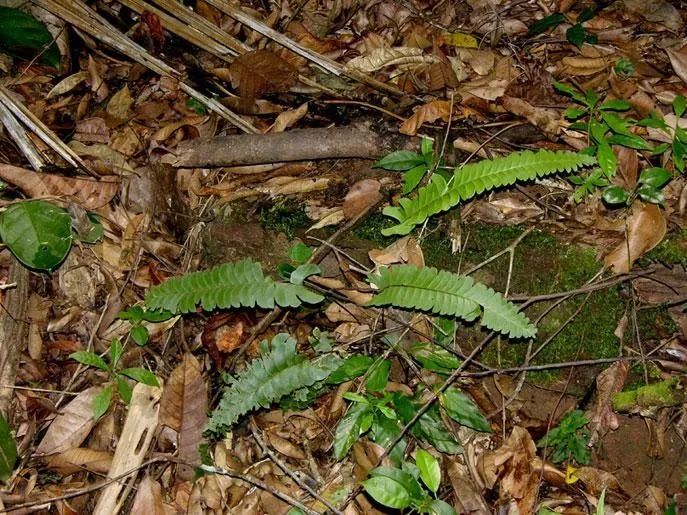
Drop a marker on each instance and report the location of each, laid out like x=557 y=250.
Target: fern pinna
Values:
x=445 y=293
x=267 y=379
x=231 y=285
x=475 y=178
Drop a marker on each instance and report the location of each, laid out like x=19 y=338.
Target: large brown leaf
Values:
x=72 y=425
x=262 y=71
x=184 y=408
x=88 y=193
x=646 y=229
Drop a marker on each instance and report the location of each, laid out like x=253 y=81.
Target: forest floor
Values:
x=343 y=257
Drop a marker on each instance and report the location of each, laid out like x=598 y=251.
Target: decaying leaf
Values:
x=148 y=499
x=383 y=57
x=361 y=196
x=72 y=424
x=646 y=228
x=427 y=113
x=79 y=459
x=88 y=193
x=608 y=383
x=259 y=72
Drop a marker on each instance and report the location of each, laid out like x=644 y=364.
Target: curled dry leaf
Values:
x=608 y=383
x=169 y=129
x=71 y=426
x=427 y=113
x=678 y=60
x=98 y=85
x=548 y=120
x=284 y=446
x=299 y=186
x=362 y=195
x=407 y=250
x=88 y=193
x=67 y=84
x=647 y=227
x=382 y=57
x=289 y=118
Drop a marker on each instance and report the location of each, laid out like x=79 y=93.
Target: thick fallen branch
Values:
x=294 y=145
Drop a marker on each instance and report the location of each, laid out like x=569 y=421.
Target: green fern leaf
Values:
x=269 y=378
x=476 y=178
x=444 y=293
x=231 y=285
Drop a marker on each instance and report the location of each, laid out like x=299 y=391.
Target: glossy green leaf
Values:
x=90 y=359
x=632 y=141
x=21 y=34
x=387 y=492
x=546 y=23
x=301 y=273
x=679 y=155
x=567 y=89
x=624 y=68
x=352 y=367
x=300 y=253
x=124 y=389
x=349 y=429
x=439 y=507
x=650 y=194
x=679 y=105
x=615 y=104
x=432 y=428
x=355 y=397
x=617 y=124
x=587 y=14
x=615 y=195
x=413 y=177
x=139 y=334
x=141 y=375
x=427 y=147
x=461 y=408
x=573 y=113
x=400 y=160
x=655 y=177
x=430 y=471
x=576 y=35
x=607 y=159
x=383 y=431
x=435 y=358
x=101 y=402
x=8 y=450
x=38 y=233
x=378 y=376
x=403 y=478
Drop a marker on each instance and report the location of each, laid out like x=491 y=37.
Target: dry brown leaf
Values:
x=628 y=166
x=548 y=120
x=678 y=60
x=98 y=85
x=407 y=250
x=72 y=424
x=67 y=84
x=184 y=408
x=92 y=130
x=120 y=104
x=657 y=11
x=80 y=459
x=608 y=383
x=166 y=131
x=427 y=113
x=259 y=72
x=284 y=446
x=583 y=66
x=382 y=57
x=647 y=227
x=299 y=186
x=361 y=196
x=597 y=480
x=88 y=193
x=289 y=118
x=466 y=493
x=148 y=500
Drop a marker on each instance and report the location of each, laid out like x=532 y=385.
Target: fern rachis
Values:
x=476 y=178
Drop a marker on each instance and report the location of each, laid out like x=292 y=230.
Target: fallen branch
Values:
x=294 y=145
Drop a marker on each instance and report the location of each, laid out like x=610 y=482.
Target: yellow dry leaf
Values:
x=460 y=39
x=570 y=475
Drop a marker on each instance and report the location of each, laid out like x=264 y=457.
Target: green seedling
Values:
x=137 y=315
x=569 y=440
x=416 y=166
x=575 y=33
x=117 y=376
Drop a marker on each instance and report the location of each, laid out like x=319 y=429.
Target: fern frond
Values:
x=269 y=378
x=230 y=285
x=475 y=178
x=444 y=293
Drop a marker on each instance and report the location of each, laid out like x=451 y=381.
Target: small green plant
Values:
x=118 y=377
x=137 y=315
x=414 y=165
x=575 y=33
x=24 y=36
x=402 y=488
x=624 y=68
x=569 y=440
x=601 y=121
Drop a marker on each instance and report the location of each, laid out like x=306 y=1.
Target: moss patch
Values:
x=285 y=216
x=671 y=251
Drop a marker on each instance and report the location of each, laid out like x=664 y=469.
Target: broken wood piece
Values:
x=295 y=145
x=137 y=435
